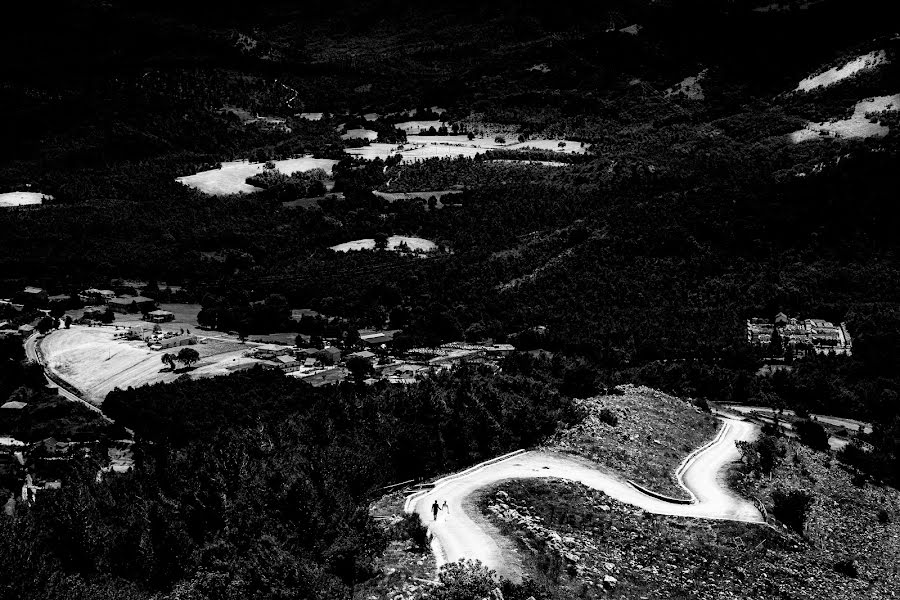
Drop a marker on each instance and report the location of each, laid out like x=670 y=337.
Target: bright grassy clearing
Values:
x=364 y=134
x=415 y=244
x=414 y=127
x=231 y=178
x=10 y=199
x=835 y=74
x=857 y=126
x=420 y=147
x=92 y=360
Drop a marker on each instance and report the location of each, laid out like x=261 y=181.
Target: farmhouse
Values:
x=131 y=304
x=159 y=316
x=26 y=330
x=59 y=299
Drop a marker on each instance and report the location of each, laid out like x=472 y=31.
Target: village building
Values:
x=132 y=304
x=26 y=330
x=801 y=336
x=159 y=316
x=59 y=299
x=270 y=351
x=287 y=363
x=377 y=339
x=174 y=342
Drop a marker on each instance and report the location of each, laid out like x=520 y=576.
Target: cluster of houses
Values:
x=26 y=469
x=375 y=349
x=802 y=336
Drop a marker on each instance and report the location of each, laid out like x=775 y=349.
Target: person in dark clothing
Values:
x=434 y=509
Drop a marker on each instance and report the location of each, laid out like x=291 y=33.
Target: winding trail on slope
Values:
x=464 y=533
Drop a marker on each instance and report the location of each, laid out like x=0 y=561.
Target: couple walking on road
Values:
x=435 y=509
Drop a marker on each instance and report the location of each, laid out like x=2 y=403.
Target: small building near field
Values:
x=270 y=351
x=26 y=330
x=377 y=339
x=159 y=316
x=287 y=363
x=174 y=342
x=132 y=304
x=59 y=299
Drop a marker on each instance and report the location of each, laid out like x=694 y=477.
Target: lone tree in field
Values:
x=188 y=356
x=168 y=359
x=381 y=241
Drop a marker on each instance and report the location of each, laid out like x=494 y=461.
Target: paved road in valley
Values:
x=462 y=533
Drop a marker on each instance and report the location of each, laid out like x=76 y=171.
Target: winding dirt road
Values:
x=463 y=533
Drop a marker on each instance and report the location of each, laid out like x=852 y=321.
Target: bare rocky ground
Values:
x=654 y=432
x=851 y=521
x=588 y=545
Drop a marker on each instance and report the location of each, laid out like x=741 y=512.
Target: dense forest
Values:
x=637 y=261
x=257 y=485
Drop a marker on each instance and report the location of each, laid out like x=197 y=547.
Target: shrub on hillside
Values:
x=812 y=434
x=609 y=417
x=411 y=528
x=791 y=507
x=847 y=567
x=762 y=455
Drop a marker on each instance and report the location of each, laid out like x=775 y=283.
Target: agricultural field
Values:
x=95 y=362
x=438 y=195
x=857 y=126
x=836 y=74
x=420 y=147
x=231 y=178
x=360 y=134
x=414 y=127
x=414 y=243
x=10 y=199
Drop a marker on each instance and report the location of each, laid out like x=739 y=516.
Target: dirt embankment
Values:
x=652 y=434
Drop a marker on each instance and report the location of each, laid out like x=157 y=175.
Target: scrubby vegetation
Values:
x=259 y=483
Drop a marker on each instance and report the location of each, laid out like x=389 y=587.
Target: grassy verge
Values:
x=643 y=434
